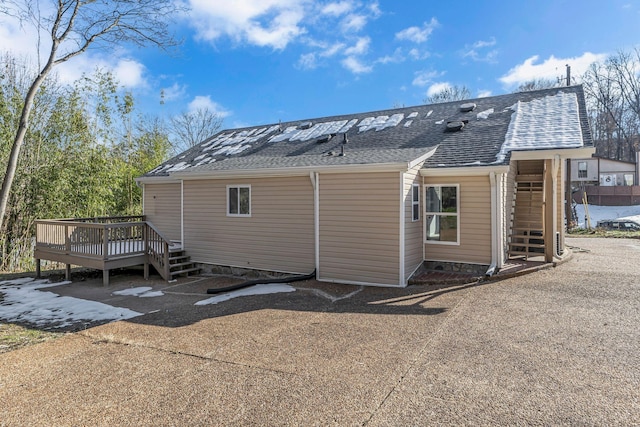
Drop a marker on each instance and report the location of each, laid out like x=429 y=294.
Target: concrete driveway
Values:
x=555 y=347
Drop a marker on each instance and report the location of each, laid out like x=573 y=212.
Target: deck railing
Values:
x=95 y=240
x=157 y=249
x=104 y=239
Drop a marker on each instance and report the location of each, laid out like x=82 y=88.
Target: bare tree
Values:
x=612 y=90
x=537 y=84
x=191 y=128
x=449 y=93
x=72 y=27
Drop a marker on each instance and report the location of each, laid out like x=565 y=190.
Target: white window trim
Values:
x=456 y=214
x=584 y=171
x=238 y=186
x=414 y=188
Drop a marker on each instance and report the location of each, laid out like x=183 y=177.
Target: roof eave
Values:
x=155 y=180
x=464 y=170
x=567 y=153
x=289 y=171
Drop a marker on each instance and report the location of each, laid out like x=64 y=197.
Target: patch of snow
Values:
x=601 y=213
x=24 y=302
x=293 y=133
x=429 y=113
x=543 y=123
x=141 y=291
x=484 y=114
x=412 y=115
x=178 y=167
x=408 y=123
x=272 y=288
x=234 y=149
x=379 y=123
x=439 y=122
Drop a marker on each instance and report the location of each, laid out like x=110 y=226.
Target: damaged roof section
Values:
x=489 y=132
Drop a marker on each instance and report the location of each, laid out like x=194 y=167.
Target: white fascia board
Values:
x=293 y=171
x=463 y=171
x=422 y=158
x=156 y=180
x=565 y=153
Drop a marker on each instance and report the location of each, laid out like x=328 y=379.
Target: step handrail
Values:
x=157 y=249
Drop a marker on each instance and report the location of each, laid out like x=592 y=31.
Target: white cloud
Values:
x=355 y=65
x=337 y=8
x=418 y=34
x=484 y=93
x=17 y=39
x=550 y=68
x=273 y=23
x=423 y=78
x=417 y=55
x=438 y=87
x=175 y=91
x=360 y=48
x=478 y=51
x=307 y=61
x=333 y=49
x=129 y=73
x=205 y=102
x=353 y=23
x=396 y=58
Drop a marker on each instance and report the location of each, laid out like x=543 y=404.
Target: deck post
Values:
x=105 y=277
x=145 y=236
x=37 y=268
x=67 y=272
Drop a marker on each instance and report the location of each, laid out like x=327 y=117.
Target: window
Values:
x=582 y=169
x=442 y=214
x=415 y=202
x=628 y=179
x=238 y=200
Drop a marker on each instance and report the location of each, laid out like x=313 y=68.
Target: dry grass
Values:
x=599 y=232
x=14 y=336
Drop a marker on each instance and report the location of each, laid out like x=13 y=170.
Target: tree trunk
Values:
x=12 y=164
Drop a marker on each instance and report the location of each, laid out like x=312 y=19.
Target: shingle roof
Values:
x=551 y=118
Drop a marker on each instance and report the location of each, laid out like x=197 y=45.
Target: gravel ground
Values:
x=555 y=347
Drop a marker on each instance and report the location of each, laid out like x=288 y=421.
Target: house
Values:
x=368 y=198
x=604 y=172
x=605 y=182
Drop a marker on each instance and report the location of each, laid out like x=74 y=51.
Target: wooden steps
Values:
x=527 y=216
x=181 y=264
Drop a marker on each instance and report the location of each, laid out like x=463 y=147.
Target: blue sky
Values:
x=260 y=61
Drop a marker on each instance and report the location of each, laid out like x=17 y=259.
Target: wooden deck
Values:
x=104 y=244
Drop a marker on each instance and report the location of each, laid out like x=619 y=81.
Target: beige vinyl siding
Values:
x=475 y=222
x=413 y=235
x=162 y=208
x=278 y=236
x=359 y=221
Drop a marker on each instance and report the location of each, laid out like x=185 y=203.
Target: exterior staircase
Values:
x=180 y=263
x=527 y=217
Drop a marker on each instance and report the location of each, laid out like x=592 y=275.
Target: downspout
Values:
x=494 y=225
x=314 y=176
